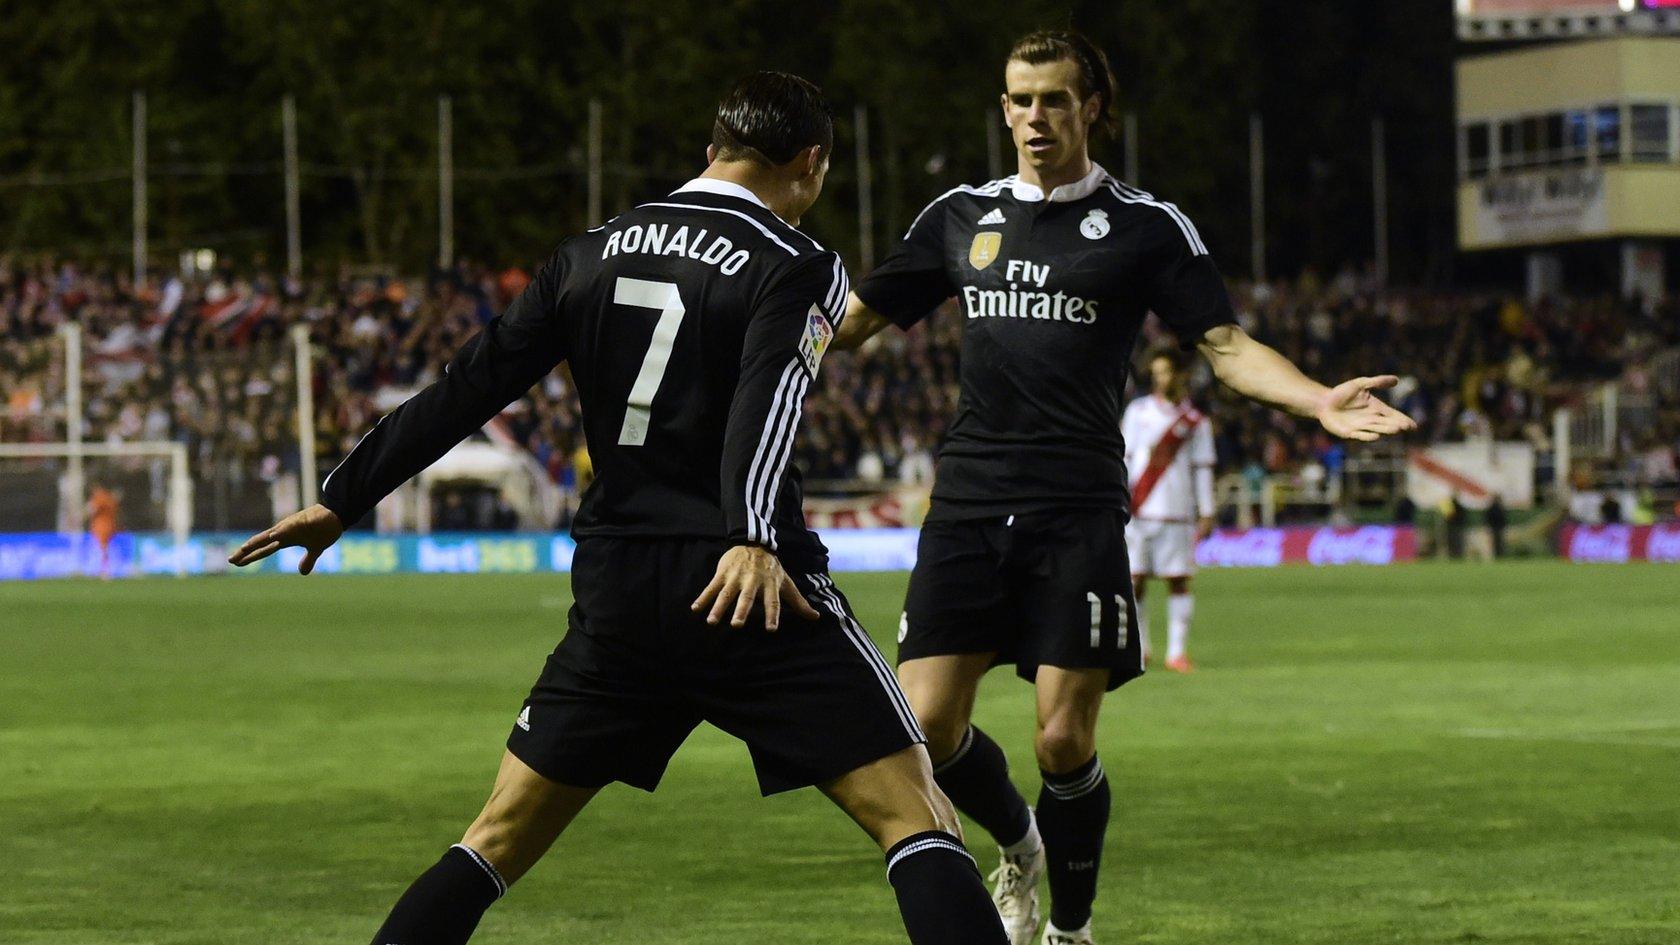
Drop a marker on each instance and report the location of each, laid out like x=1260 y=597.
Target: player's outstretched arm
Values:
x=747 y=575
x=1349 y=410
x=314 y=530
x=507 y=356
x=860 y=324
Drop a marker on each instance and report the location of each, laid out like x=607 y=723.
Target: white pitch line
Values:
x=1609 y=737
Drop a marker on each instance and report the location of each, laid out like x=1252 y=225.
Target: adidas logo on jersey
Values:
x=991 y=219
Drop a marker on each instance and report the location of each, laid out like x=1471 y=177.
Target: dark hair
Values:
x=1174 y=355
x=770 y=117
x=1095 y=76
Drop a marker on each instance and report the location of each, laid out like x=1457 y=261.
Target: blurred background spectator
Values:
x=207 y=362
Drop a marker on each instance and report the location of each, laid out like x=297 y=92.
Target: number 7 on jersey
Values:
x=662 y=297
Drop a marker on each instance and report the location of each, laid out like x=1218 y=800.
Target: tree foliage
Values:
x=366 y=77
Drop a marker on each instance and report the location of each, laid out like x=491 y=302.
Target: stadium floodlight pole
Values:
x=294 y=237
x=1257 y=197
x=594 y=158
x=446 y=182
x=1563 y=486
x=1131 y=145
x=865 y=185
x=180 y=510
x=1608 y=404
x=308 y=487
x=1379 y=197
x=994 y=144
x=139 y=179
x=73 y=431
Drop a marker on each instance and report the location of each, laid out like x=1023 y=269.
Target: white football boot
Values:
x=1079 y=936
x=1015 y=893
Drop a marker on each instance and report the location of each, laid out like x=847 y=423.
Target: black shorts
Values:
x=637 y=671
x=1039 y=589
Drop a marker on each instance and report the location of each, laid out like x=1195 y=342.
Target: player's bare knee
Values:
x=943 y=719
x=1062 y=746
x=944 y=730
x=1178 y=585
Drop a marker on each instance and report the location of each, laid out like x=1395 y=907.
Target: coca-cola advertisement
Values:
x=1269 y=547
x=1618 y=543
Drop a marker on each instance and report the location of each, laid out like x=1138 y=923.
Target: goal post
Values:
x=67 y=463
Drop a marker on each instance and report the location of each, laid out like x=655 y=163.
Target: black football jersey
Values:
x=693 y=326
x=1052 y=292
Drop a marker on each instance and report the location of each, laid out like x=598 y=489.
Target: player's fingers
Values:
x=1381 y=423
x=725 y=600
x=707 y=594
x=251 y=544
x=247 y=553
x=1405 y=422
x=1364 y=436
x=772 y=607
x=308 y=563
x=801 y=606
x=744 y=603
x=1380 y=382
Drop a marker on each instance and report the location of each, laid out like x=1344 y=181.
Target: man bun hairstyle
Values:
x=769 y=117
x=1095 y=76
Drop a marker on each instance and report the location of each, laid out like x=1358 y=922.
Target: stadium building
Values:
x=1569 y=141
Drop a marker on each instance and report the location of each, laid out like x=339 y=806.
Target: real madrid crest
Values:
x=984 y=249
x=1095 y=225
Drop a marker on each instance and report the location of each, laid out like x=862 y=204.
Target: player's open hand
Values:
x=1352 y=412
x=314 y=530
x=747 y=575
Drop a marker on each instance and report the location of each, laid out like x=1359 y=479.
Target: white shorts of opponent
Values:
x=1161 y=549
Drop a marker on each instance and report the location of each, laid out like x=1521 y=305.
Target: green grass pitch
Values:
x=1429 y=753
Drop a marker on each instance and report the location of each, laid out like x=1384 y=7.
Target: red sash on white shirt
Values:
x=1162 y=454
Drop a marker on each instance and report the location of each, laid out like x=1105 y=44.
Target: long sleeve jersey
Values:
x=693 y=327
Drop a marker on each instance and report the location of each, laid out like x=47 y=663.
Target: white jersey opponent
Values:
x=1169 y=460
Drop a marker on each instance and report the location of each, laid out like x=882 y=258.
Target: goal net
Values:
x=67 y=506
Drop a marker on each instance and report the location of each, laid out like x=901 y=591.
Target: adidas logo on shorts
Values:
x=524 y=720
x=991 y=219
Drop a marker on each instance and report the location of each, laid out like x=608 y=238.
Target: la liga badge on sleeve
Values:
x=818 y=333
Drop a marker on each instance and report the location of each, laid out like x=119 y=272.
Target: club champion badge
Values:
x=1094 y=226
x=984 y=250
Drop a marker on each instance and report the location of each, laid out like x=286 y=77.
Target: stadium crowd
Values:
x=207 y=361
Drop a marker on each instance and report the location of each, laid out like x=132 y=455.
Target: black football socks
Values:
x=976 y=779
x=445 y=903
x=940 y=893
x=1072 y=818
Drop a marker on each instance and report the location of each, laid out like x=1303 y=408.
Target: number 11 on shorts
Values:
x=1123 y=620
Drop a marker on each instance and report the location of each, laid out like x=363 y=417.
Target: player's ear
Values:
x=813 y=160
x=711 y=154
x=1003 y=103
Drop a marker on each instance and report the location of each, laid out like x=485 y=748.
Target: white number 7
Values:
x=662 y=296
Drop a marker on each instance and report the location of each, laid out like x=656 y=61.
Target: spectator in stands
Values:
x=205 y=360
